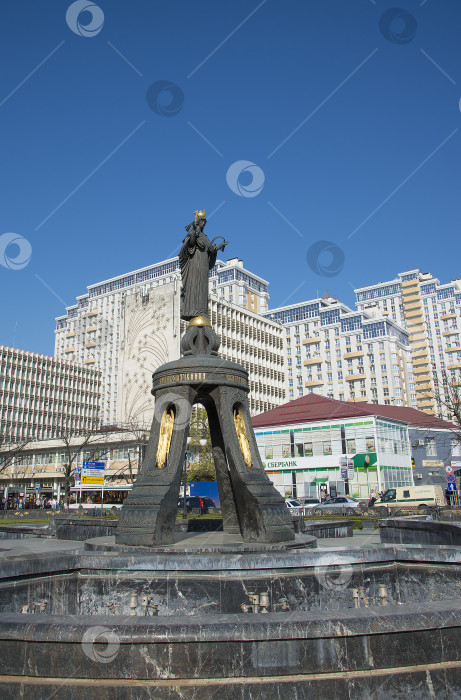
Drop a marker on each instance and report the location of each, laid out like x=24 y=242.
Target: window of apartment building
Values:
x=339 y=364
x=386 y=391
x=329 y=376
x=340 y=375
x=431 y=448
x=455 y=447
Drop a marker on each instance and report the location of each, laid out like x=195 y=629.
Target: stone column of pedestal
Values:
x=230 y=518
x=149 y=512
x=262 y=513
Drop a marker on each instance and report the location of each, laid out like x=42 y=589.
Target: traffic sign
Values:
x=93 y=473
x=451 y=477
x=451 y=486
x=449 y=469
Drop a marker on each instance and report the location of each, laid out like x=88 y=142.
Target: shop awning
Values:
x=320 y=479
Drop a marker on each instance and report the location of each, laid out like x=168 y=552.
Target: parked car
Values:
x=294 y=506
x=340 y=504
x=197 y=504
x=309 y=502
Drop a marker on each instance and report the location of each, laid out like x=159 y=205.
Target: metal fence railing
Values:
x=445 y=513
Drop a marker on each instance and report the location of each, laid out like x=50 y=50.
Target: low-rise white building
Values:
x=303 y=443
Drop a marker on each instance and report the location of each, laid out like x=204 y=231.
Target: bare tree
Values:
x=74 y=442
x=140 y=433
x=10 y=450
x=447 y=395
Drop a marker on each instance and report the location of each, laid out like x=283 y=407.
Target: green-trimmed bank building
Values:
x=308 y=444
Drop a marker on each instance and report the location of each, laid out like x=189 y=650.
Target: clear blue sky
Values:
x=78 y=136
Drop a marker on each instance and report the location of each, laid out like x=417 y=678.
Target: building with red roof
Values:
x=307 y=443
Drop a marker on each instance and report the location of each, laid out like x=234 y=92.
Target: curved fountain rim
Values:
x=347 y=622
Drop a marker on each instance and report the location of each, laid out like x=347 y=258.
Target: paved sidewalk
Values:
x=360 y=538
x=19 y=548
x=36 y=545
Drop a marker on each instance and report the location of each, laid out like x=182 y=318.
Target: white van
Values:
x=419 y=497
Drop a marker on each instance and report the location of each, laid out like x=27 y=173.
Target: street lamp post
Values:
x=184 y=507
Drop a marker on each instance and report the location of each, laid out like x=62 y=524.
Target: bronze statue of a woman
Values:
x=196 y=258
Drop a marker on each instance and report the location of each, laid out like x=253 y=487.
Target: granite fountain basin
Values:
x=373 y=622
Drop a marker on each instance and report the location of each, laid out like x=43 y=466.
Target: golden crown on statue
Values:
x=199 y=214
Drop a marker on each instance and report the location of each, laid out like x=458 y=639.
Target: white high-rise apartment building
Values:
x=430 y=311
x=130 y=325
x=345 y=354
x=41 y=397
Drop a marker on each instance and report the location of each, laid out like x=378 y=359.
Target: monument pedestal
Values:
x=250 y=504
